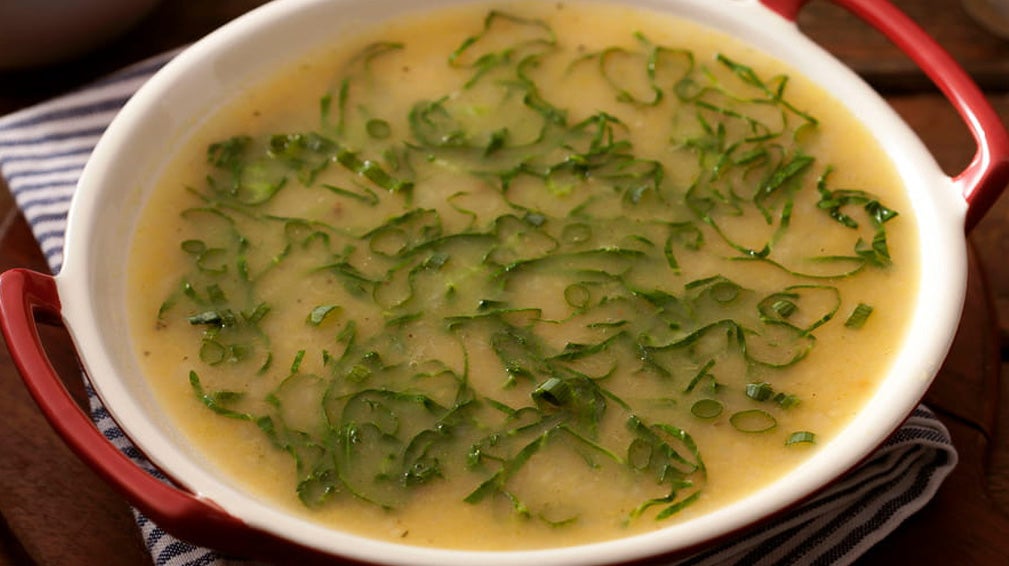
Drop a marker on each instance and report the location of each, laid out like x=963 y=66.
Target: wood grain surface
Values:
x=53 y=510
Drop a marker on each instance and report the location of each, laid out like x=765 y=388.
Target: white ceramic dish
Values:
x=88 y=293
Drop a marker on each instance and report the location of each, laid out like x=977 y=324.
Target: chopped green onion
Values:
x=706 y=409
x=320 y=313
x=753 y=420
x=801 y=437
x=209 y=317
x=212 y=353
x=577 y=295
x=724 y=291
x=784 y=308
x=759 y=391
x=378 y=129
x=554 y=391
x=785 y=401
x=858 y=316
x=194 y=247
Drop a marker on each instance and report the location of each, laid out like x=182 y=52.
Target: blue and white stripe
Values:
x=43 y=149
x=42 y=153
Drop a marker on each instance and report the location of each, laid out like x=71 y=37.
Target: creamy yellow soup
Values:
x=521 y=275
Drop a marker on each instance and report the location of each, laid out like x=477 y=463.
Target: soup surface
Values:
x=521 y=275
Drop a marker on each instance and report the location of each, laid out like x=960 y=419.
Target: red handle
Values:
x=987 y=175
x=25 y=294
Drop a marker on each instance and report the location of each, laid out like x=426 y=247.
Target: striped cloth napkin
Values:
x=43 y=150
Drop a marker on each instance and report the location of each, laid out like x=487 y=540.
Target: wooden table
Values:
x=53 y=510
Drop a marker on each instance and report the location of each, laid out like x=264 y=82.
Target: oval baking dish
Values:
x=202 y=507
